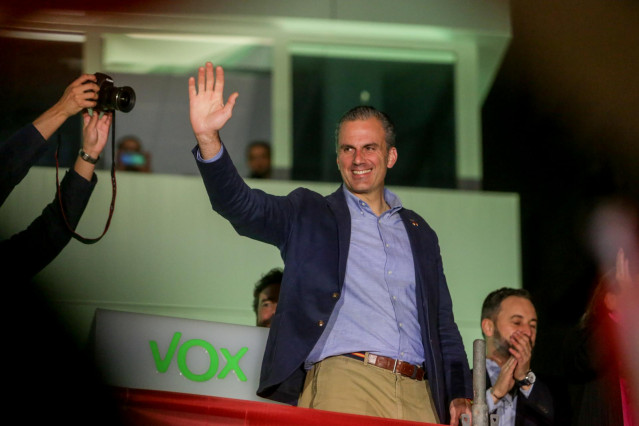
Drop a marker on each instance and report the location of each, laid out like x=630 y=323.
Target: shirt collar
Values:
x=353 y=201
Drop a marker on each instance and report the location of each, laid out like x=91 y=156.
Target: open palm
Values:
x=208 y=112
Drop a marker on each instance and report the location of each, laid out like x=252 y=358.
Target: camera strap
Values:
x=113 y=184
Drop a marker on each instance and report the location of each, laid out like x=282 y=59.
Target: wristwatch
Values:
x=87 y=157
x=528 y=380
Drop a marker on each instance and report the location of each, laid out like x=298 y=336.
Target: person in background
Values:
x=509 y=325
x=28 y=252
x=37 y=333
x=258 y=159
x=591 y=357
x=130 y=157
x=265 y=297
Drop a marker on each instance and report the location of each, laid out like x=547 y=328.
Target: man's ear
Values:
x=392 y=157
x=488 y=327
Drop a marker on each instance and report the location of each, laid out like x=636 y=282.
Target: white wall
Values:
x=168 y=253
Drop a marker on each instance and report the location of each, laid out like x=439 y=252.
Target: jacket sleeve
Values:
x=28 y=252
x=17 y=155
x=252 y=212
x=538 y=408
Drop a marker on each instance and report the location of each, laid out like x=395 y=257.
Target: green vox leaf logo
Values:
x=232 y=361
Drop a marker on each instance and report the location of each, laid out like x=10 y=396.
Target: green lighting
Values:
x=378 y=53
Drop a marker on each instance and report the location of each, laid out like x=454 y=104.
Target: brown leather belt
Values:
x=396 y=366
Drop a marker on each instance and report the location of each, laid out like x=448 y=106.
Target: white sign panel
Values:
x=179 y=355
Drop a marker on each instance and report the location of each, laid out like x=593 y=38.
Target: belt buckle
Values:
x=395 y=367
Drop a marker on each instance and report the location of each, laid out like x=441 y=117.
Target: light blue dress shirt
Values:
x=377 y=311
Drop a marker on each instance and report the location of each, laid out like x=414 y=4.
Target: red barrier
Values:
x=147 y=407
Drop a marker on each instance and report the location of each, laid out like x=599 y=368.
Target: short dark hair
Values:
x=364 y=112
x=274 y=276
x=129 y=138
x=253 y=144
x=492 y=303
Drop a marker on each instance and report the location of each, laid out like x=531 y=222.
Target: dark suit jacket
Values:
x=29 y=251
x=312 y=233
x=537 y=409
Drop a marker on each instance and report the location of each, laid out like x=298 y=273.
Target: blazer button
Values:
x=320 y=323
x=335 y=295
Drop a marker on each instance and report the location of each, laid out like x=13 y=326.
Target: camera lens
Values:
x=111 y=97
x=124 y=99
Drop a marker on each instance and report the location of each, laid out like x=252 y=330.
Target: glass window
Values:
x=36 y=68
x=417 y=95
x=157 y=67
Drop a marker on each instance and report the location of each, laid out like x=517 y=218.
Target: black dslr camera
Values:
x=113 y=98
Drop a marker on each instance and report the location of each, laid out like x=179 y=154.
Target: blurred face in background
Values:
x=267 y=305
x=259 y=161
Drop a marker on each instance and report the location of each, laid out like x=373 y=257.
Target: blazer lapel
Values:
x=413 y=227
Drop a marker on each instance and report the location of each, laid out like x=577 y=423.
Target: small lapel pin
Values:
x=414 y=222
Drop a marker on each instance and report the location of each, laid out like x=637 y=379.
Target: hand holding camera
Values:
x=89 y=91
x=111 y=98
x=80 y=94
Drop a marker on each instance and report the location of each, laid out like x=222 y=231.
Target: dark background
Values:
x=418 y=96
x=561 y=128
x=32 y=75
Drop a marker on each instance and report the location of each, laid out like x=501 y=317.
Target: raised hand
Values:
x=623 y=270
x=95 y=132
x=95 y=136
x=207 y=110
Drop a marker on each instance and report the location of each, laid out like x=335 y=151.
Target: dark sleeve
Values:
x=28 y=252
x=252 y=212
x=17 y=155
x=538 y=408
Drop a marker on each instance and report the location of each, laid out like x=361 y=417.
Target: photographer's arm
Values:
x=82 y=93
x=22 y=149
x=207 y=110
x=48 y=234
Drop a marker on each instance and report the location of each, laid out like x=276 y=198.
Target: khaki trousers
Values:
x=347 y=385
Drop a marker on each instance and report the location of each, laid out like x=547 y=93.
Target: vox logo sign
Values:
x=232 y=361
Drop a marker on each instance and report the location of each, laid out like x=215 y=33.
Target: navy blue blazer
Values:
x=312 y=233
x=29 y=251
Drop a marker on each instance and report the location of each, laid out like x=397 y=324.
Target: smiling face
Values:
x=363 y=158
x=516 y=315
